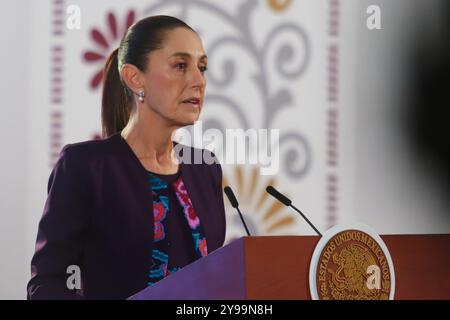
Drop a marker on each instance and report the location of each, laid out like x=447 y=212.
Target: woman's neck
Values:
x=151 y=141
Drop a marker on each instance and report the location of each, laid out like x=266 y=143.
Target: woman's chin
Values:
x=188 y=121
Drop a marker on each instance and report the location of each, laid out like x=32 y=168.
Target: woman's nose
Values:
x=197 y=78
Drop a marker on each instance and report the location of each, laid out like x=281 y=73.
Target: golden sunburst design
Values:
x=279 y=5
x=263 y=214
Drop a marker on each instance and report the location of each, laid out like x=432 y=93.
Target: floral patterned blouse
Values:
x=178 y=236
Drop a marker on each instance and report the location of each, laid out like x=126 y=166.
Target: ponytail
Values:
x=116 y=103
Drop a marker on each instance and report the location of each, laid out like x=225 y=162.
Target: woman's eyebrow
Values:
x=187 y=55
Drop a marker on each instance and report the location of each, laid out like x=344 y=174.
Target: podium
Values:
x=277 y=267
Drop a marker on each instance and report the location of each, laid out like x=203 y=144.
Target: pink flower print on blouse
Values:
x=159 y=213
x=185 y=201
x=203 y=247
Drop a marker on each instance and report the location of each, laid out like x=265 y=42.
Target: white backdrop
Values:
x=309 y=68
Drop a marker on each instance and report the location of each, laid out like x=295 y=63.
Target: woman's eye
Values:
x=181 y=66
x=203 y=69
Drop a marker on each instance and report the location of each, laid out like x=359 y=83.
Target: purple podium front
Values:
x=247 y=268
x=277 y=267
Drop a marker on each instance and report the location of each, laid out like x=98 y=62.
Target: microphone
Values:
x=235 y=204
x=288 y=203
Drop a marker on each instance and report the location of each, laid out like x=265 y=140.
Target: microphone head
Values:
x=231 y=197
x=280 y=197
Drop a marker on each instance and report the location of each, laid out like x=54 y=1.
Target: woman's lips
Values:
x=193 y=102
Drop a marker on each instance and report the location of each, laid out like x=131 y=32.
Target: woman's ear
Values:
x=132 y=77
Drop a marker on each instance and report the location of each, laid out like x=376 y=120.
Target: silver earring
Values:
x=141 y=96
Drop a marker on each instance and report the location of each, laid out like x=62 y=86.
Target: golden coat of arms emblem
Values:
x=351 y=264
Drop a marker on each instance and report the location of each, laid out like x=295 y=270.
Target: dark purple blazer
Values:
x=98 y=216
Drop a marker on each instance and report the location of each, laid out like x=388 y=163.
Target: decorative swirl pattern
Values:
x=286 y=52
x=296 y=160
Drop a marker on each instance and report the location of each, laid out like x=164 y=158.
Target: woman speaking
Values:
x=124 y=211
